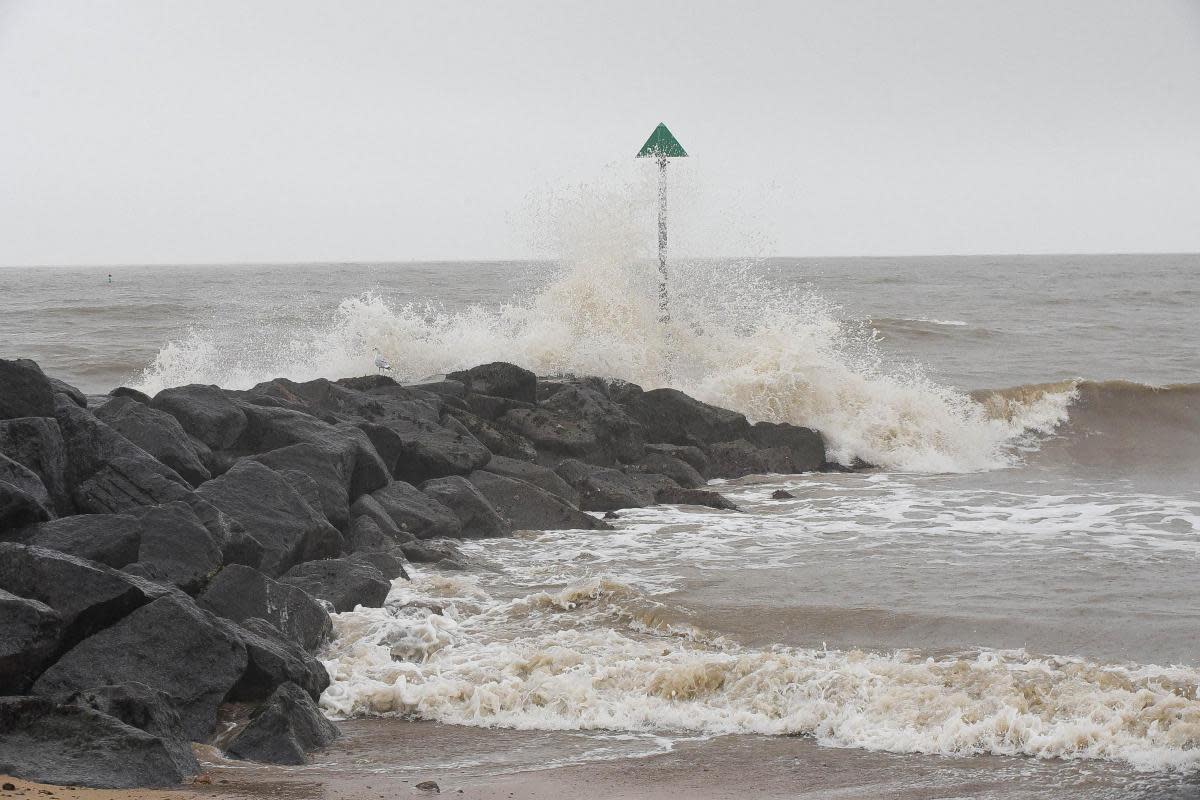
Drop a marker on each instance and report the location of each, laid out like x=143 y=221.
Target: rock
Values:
x=111 y=539
x=429 y=786
x=669 y=415
x=74 y=395
x=156 y=432
x=542 y=477
x=689 y=454
x=344 y=582
x=109 y=474
x=132 y=394
x=205 y=412
x=240 y=593
x=175 y=548
x=330 y=471
x=442 y=553
x=499 y=379
x=389 y=565
x=604 y=488
x=272 y=660
x=738 y=458
x=611 y=515
x=237 y=545
x=416 y=449
x=366 y=382
x=411 y=510
x=170 y=645
x=25 y=390
x=306 y=487
x=287 y=727
x=79 y=746
x=490 y=407
x=458 y=494
x=678 y=495
x=146 y=709
x=806 y=447
x=531 y=508
x=367 y=536
x=677 y=470
x=88 y=596
x=579 y=422
x=37 y=443
x=260 y=500
x=30 y=635
x=19 y=508
x=781 y=494
x=499 y=441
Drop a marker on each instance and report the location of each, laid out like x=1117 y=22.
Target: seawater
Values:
x=1015 y=578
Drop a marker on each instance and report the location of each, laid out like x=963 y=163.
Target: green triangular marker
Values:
x=662 y=144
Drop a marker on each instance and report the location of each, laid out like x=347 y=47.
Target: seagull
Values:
x=381 y=363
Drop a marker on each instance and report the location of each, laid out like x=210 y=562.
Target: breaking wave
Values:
x=442 y=649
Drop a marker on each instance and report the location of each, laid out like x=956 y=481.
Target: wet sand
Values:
x=384 y=759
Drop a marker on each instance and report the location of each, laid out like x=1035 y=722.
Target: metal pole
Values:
x=664 y=314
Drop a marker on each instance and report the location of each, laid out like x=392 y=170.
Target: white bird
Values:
x=381 y=363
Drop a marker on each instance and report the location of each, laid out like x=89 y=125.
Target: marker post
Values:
x=662 y=145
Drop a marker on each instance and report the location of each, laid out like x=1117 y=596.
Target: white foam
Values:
x=564 y=661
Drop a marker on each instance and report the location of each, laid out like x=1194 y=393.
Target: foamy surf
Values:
x=588 y=657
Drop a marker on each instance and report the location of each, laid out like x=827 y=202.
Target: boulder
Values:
x=478 y=518
x=37 y=443
x=542 y=477
x=677 y=470
x=25 y=390
x=284 y=729
x=607 y=489
x=343 y=582
x=417 y=449
x=443 y=553
x=531 y=508
x=111 y=539
x=367 y=535
x=274 y=659
x=689 y=454
x=79 y=746
x=156 y=432
x=240 y=593
x=806 y=447
x=499 y=441
x=669 y=415
x=409 y=509
x=175 y=548
x=305 y=486
x=499 y=379
x=20 y=508
x=678 y=495
x=782 y=494
x=490 y=407
x=261 y=501
x=133 y=394
x=146 y=709
x=389 y=564
x=329 y=470
x=70 y=392
x=30 y=635
x=170 y=645
x=205 y=412
x=88 y=596
x=739 y=458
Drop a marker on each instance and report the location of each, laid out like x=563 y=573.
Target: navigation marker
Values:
x=662 y=145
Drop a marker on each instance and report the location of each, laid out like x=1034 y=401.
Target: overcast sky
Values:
x=175 y=132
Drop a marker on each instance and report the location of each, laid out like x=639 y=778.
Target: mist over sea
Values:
x=1015 y=579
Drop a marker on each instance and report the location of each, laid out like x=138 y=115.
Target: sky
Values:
x=161 y=131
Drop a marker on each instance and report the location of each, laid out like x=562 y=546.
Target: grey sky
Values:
x=161 y=132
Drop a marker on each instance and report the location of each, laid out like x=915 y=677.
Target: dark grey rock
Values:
x=274 y=659
x=156 y=432
x=31 y=633
x=205 y=412
x=37 y=443
x=133 y=394
x=261 y=500
x=19 y=508
x=499 y=379
x=669 y=415
x=343 y=582
x=604 y=488
x=284 y=729
x=329 y=469
x=531 y=508
x=479 y=519
x=499 y=441
x=677 y=470
x=240 y=593
x=442 y=553
x=25 y=391
x=781 y=494
x=170 y=645
x=367 y=535
x=305 y=486
x=147 y=710
x=689 y=454
x=806 y=447
x=416 y=449
x=389 y=564
x=176 y=548
x=79 y=746
x=111 y=539
x=74 y=395
x=542 y=477
x=739 y=458
x=411 y=510
x=678 y=495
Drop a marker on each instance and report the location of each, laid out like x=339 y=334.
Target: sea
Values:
x=1004 y=605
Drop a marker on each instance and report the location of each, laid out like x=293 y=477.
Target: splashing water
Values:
x=734 y=340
